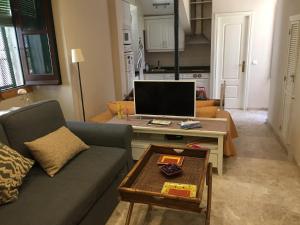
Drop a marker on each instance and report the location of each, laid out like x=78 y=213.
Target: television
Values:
x=165 y=98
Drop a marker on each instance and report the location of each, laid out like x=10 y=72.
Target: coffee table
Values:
x=144 y=182
x=211 y=135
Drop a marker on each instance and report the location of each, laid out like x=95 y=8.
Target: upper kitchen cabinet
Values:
x=159 y=32
x=127 y=17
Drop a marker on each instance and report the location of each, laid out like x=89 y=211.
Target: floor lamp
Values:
x=77 y=57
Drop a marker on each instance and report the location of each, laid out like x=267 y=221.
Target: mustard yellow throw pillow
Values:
x=13 y=168
x=54 y=150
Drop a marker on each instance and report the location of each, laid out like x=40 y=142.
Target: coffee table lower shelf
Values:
x=144 y=182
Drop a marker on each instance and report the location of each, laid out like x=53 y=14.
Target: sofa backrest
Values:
x=30 y=123
x=3 y=137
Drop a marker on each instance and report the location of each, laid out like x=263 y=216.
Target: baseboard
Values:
x=258 y=109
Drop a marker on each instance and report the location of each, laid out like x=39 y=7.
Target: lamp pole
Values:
x=77 y=57
x=81 y=95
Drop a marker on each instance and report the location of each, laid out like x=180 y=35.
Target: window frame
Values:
x=53 y=78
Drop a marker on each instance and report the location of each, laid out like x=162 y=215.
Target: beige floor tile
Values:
x=259 y=186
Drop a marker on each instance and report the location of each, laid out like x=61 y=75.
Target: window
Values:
x=28 y=51
x=34 y=25
x=10 y=65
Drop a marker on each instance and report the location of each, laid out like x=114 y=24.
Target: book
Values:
x=160 y=122
x=181 y=190
x=170 y=159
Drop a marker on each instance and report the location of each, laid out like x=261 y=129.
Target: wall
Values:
x=85 y=25
x=185 y=15
x=259 y=79
x=116 y=26
x=284 y=9
x=193 y=55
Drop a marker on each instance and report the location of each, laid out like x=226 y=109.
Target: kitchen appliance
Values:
x=129 y=70
x=202 y=80
x=127 y=37
x=127 y=48
x=165 y=98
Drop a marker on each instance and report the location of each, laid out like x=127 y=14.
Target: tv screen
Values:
x=165 y=98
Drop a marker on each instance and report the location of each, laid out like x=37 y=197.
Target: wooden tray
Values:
x=144 y=182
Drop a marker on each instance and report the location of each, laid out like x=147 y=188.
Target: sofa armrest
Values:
x=108 y=135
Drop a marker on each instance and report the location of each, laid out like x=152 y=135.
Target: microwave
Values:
x=127 y=38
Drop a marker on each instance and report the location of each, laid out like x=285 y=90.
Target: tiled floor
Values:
x=259 y=186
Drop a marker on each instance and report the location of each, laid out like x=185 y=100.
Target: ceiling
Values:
x=150 y=9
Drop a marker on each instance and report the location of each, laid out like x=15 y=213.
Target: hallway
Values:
x=259 y=186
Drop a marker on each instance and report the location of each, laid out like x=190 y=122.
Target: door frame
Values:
x=215 y=81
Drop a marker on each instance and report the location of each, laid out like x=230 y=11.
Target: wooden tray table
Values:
x=144 y=182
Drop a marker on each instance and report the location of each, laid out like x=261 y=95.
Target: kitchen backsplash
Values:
x=193 y=55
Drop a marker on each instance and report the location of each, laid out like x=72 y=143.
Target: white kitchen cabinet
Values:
x=154 y=76
x=160 y=34
x=127 y=19
x=170 y=76
x=155 y=36
x=159 y=76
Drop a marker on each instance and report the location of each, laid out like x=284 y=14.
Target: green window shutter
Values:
x=5 y=13
x=28 y=8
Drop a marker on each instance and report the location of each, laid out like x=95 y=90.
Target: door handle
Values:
x=243 y=66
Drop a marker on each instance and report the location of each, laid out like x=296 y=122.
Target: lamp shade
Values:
x=77 y=55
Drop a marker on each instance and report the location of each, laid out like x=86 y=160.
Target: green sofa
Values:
x=85 y=191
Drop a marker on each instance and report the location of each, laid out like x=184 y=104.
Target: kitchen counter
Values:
x=183 y=69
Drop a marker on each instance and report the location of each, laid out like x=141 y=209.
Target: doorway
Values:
x=232 y=56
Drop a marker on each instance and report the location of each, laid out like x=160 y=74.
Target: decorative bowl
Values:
x=171 y=170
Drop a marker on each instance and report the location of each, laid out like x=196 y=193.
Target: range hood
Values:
x=197 y=39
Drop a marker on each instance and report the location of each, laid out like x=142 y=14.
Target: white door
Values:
x=232 y=44
x=289 y=77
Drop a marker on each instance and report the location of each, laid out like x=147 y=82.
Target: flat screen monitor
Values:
x=165 y=98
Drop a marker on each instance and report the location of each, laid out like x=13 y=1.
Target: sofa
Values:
x=204 y=109
x=85 y=191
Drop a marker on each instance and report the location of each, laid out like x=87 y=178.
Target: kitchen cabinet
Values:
x=127 y=19
x=170 y=76
x=159 y=76
x=160 y=34
x=202 y=80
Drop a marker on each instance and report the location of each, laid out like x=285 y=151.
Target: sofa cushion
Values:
x=30 y=123
x=55 y=149
x=3 y=137
x=13 y=168
x=66 y=198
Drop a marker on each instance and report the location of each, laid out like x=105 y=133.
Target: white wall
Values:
x=185 y=15
x=259 y=79
x=284 y=9
x=85 y=25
